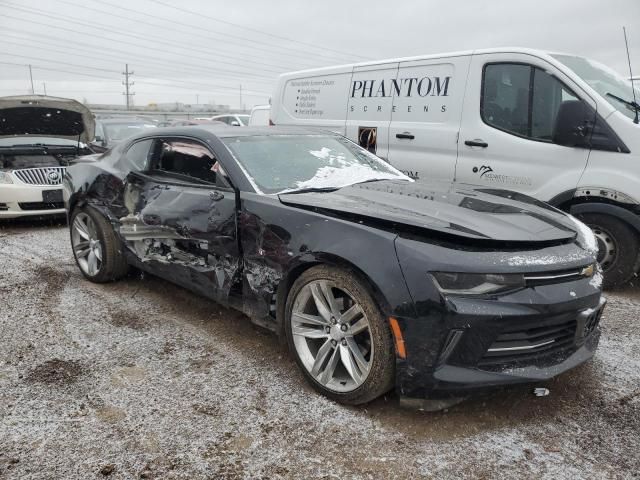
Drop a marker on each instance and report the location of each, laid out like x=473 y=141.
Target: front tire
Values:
x=338 y=336
x=95 y=246
x=617 y=248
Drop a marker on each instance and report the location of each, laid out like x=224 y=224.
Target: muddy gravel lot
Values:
x=142 y=379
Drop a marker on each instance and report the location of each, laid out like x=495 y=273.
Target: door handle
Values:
x=216 y=196
x=476 y=143
x=406 y=135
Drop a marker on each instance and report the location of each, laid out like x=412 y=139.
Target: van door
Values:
x=508 y=123
x=425 y=118
x=369 y=107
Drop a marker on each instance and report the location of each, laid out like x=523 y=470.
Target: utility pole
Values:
x=31 y=77
x=44 y=85
x=127 y=85
x=240 y=95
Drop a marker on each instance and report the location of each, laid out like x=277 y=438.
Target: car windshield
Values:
x=117 y=132
x=244 y=119
x=603 y=80
x=289 y=163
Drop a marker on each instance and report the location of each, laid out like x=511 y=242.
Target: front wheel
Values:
x=617 y=247
x=338 y=336
x=96 y=247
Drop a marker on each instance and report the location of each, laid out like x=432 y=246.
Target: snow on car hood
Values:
x=42 y=116
x=477 y=214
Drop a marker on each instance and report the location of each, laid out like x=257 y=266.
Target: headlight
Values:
x=5 y=177
x=477 y=283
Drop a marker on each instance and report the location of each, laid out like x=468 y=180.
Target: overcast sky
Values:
x=197 y=50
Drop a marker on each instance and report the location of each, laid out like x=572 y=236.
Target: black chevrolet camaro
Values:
x=375 y=281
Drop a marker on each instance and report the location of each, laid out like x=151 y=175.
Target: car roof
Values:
x=224 y=131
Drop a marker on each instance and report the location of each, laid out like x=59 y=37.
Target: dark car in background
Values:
x=374 y=280
x=111 y=131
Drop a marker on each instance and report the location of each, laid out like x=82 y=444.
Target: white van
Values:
x=557 y=127
x=259 y=115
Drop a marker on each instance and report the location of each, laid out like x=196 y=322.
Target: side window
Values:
x=505 y=97
x=189 y=158
x=522 y=99
x=548 y=95
x=137 y=156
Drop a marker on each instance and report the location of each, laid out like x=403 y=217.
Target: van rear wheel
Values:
x=617 y=248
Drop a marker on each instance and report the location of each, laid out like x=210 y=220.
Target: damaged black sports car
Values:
x=374 y=280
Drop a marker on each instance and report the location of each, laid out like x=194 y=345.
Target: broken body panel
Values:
x=244 y=249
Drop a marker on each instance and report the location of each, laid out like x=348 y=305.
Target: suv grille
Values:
x=41 y=176
x=537 y=345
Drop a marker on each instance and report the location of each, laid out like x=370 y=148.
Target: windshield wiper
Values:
x=311 y=189
x=631 y=104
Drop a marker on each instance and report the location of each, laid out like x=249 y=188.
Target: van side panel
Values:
x=314 y=99
x=425 y=117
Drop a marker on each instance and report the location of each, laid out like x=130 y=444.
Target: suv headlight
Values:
x=5 y=177
x=477 y=283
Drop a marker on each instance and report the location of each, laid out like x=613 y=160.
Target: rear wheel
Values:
x=338 y=336
x=617 y=247
x=96 y=247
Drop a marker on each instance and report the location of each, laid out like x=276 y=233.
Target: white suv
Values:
x=232 y=119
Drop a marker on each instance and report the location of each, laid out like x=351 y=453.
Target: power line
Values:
x=37 y=67
x=147 y=38
x=57 y=27
x=117 y=59
x=75 y=65
x=193 y=30
x=200 y=14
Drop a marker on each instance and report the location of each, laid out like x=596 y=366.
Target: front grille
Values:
x=4 y=207
x=537 y=345
x=41 y=205
x=44 y=176
x=558 y=276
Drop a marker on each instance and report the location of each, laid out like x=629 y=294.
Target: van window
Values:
x=522 y=99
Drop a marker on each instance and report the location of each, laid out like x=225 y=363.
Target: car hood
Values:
x=478 y=214
x=42 y=116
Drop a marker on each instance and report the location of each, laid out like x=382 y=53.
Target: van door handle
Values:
x=476 y=143
x=405 y=135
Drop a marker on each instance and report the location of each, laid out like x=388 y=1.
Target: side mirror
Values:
x=573 y=124
x=235 y=123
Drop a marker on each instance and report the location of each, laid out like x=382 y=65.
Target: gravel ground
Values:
x=141 y=379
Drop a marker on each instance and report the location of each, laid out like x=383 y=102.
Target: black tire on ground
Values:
x=114 y=264
x=381 y=375
x=618 y=244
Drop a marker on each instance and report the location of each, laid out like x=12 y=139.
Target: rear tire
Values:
x=618 y=247
x=346 y=350
x=96 y=248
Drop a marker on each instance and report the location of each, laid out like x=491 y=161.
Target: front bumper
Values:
x=21 y=200
x=477 y=344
